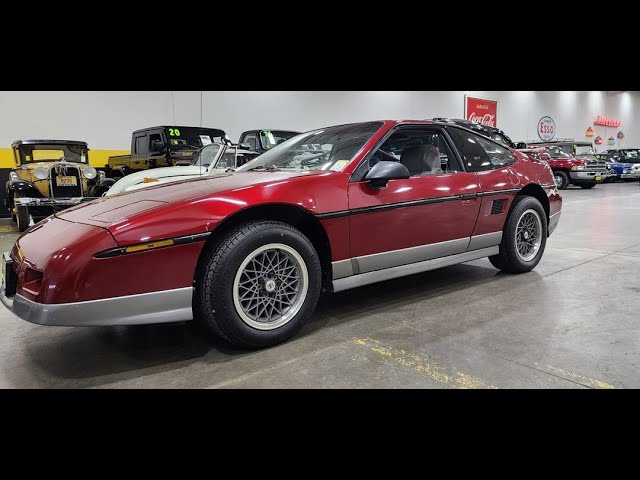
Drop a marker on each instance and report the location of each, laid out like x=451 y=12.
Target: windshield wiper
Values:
x=262 y=167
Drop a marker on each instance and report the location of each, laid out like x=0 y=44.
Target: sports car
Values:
x=247 y=253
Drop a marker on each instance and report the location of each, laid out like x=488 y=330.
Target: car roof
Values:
x=463 y=123
x=176 y=126
x=17 y=143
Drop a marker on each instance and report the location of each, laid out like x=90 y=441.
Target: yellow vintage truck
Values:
x=49 y=176
x=163 y=146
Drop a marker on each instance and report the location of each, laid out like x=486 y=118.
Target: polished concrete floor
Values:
x=571 y=323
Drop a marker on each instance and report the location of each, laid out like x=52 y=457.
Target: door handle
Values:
x=469 y=196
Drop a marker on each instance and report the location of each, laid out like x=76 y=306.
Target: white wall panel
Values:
x=106 y=119
x=103 y=119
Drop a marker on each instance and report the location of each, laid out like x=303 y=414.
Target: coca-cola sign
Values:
x=481 y=110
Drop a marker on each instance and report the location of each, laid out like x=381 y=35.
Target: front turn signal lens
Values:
x=148 y=246
x=149 y=180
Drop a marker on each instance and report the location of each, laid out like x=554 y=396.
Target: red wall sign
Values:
x=607 y=122
x=480 y=110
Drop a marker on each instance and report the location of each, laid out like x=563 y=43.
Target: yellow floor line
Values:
x=446 y=376
x=8 y=228
x=574 y=376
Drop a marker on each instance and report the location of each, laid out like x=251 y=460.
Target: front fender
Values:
x=26 y=188
x=102 y=187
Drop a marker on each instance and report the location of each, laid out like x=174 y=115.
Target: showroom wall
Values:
x=106 y=119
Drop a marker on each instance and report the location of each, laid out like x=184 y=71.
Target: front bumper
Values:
x=153 y=307
x=52 y=202
x=588 y=176
x=633 y=174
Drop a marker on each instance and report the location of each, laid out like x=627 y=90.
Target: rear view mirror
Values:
x=383 y=171
x=521 y=146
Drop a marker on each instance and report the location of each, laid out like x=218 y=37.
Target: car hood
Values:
x=116 y=210
x=135 y=180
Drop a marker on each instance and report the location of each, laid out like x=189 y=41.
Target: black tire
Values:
x=213 y=300
x=10 y=202
x=508 y=260
x=628 y=179
x=587 y=186
x=562 y=179
x=23 y=218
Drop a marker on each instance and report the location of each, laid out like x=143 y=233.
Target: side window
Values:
x=423 y=151
x=142 y=145
x=155 y=142
x=227 y=160
x=251 y=139
x=498 y=156
x=479 y=154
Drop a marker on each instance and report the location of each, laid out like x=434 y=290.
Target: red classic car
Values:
x=247 y=252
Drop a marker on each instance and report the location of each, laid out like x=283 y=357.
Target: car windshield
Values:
x=631 y=156
x=329 y=148
x=584 y=150
x=556 y=152
x=271 y=138
x=207 y=155
x=50 y=153
x=194 y=136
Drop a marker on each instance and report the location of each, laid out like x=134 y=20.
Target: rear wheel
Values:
x=561 y=179
x=587 y=186
x=258 y=285
x=524 y=237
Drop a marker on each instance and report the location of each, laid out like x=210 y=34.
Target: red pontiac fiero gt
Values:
x=247 y=252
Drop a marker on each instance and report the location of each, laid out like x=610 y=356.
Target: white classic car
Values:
x=209 y=160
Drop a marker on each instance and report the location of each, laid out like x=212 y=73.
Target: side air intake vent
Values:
x=497 y=206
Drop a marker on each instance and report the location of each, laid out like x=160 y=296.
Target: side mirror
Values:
x=157 y=146
x=521 y=146
x=383 y=171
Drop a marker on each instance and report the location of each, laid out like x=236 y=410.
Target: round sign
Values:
x=546 y=129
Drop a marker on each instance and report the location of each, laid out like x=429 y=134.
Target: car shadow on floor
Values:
x=86 y=357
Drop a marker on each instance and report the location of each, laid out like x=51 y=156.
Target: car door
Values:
x=499 y=183
x=140 y=150
x=429 y=215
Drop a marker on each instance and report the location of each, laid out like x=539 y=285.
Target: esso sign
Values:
x=546 y=129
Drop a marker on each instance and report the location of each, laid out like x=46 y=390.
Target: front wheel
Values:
x=22 y=218
x=561 y=179
x=524 y=237
x=258 y=285
x=587 y=186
